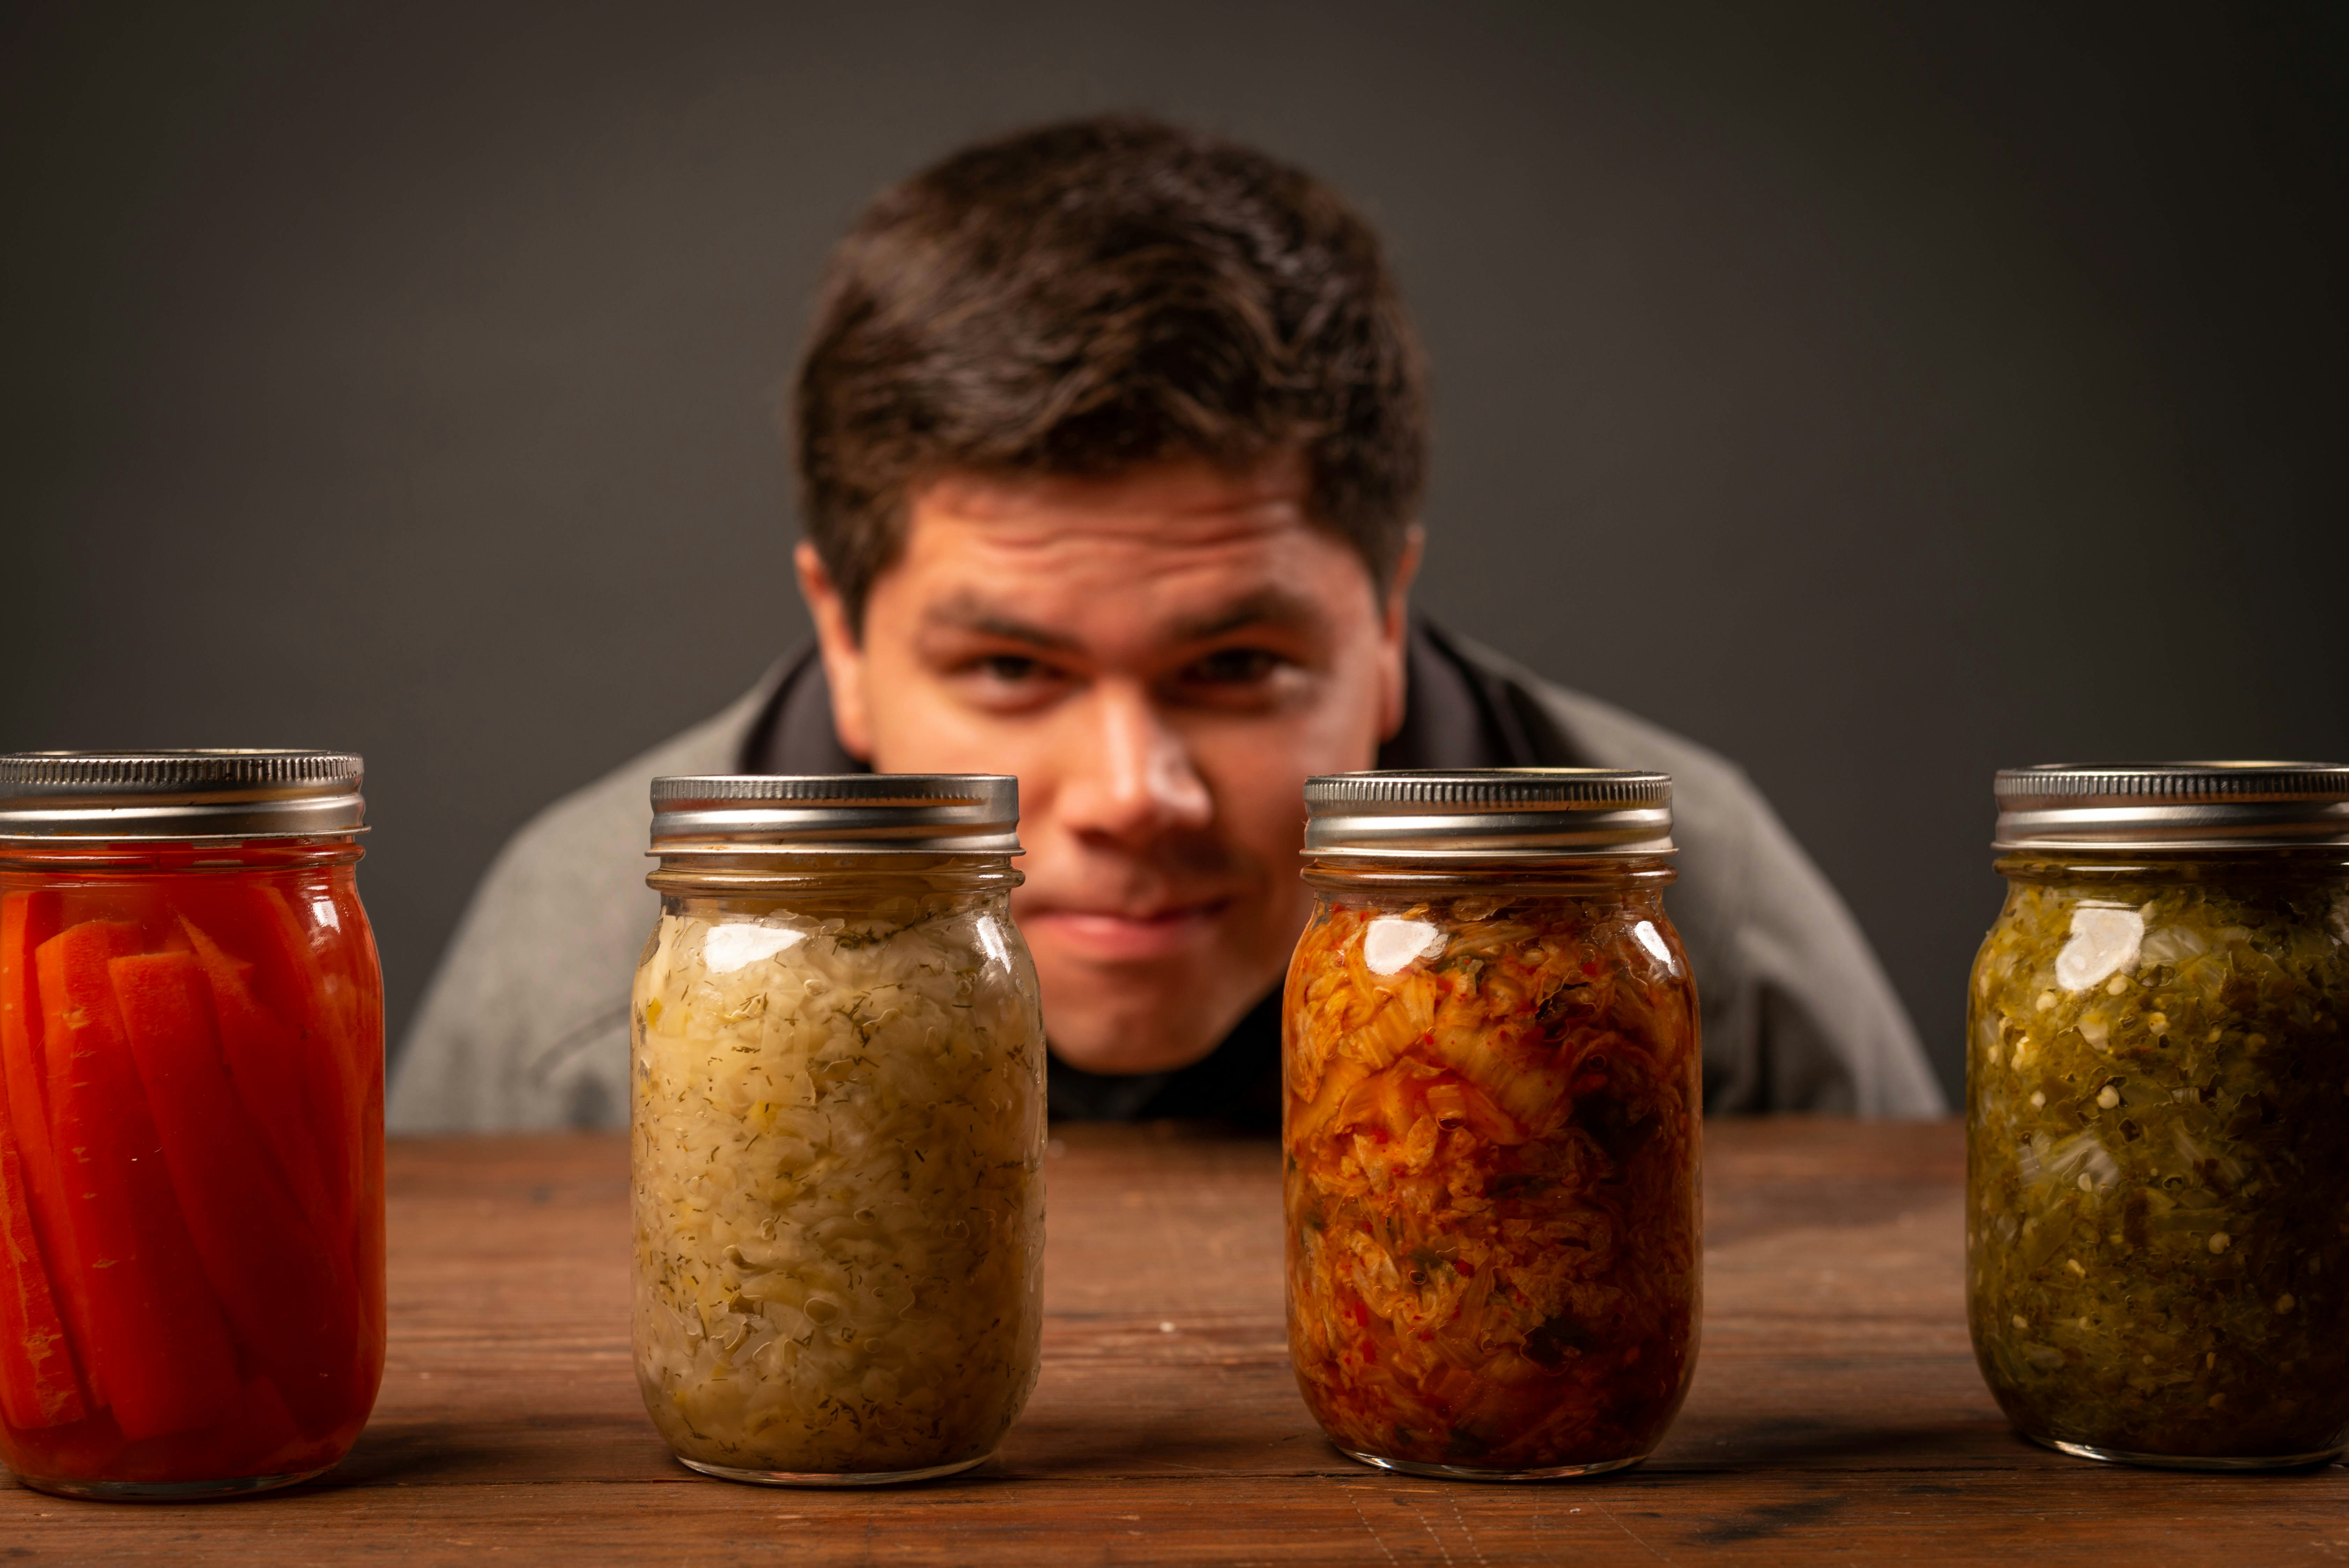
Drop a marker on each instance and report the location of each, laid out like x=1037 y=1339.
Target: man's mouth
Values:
x=1115 y=936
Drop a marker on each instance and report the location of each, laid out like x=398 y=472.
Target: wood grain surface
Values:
x=1837 y=1415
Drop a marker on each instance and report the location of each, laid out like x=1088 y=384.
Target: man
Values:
x=1110 y=440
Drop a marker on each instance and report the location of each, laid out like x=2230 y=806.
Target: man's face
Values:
x=1163 y=658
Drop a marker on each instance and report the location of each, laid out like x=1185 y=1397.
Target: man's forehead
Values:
x=1173 y=552
x=1173 y=504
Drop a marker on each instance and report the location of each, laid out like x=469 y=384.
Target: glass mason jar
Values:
x=2157 y=1095
x=1491 y=1120
x=838 y=1128
x=191 y=1295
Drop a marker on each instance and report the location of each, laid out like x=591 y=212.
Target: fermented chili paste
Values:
x=190 y=1158
x=1491 y=1134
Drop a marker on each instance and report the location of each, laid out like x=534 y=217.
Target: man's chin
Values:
x=1128 y=1057
x=1155 y=1030
x=1121 y=998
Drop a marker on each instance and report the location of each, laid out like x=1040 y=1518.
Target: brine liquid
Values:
x=190 y=1175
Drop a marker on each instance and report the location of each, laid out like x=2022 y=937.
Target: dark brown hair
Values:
x=1096 y=293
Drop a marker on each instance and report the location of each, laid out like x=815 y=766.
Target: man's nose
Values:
x=1133 y=777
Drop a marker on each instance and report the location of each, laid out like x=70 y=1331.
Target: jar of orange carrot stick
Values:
x=192 y=1289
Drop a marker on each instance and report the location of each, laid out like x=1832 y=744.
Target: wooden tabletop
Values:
x=1835 y=1415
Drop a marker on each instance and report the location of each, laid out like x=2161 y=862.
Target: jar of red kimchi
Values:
x=192 y=1294
x=1491 y=1121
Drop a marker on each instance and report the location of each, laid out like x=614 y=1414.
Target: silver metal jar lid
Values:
x=2172 y=805
x=729 y=813
x=1489 y=814
x=180 y=795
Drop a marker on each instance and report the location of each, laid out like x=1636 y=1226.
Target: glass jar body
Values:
x=1492 y=1124
x=191 y=1165
x=2157 y=1179
x=837 y=1126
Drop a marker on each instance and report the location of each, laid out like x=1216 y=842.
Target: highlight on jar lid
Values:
x=2172 y=805
x=180 y=795
x=1489 y=813
x=734 y=814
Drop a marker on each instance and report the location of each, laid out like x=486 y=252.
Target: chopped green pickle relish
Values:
x=2157 y=1194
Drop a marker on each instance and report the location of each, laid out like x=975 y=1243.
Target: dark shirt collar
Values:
x=1456 y=714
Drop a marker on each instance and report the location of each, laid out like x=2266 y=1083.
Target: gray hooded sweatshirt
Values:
x=525 y=1026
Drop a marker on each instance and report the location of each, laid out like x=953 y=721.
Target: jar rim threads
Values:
x=734 y=814
x=1488 y=813
x=203 y=793
x=2172 y=805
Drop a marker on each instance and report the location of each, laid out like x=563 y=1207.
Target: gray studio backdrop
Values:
x=1878 y=395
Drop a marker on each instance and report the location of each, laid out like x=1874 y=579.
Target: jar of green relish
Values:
x=2157 y=1095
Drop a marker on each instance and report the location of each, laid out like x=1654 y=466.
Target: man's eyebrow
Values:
x=1266 y=606
x=967 y=612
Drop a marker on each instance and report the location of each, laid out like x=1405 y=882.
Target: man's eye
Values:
x=1233 y=667
x=1009 y=668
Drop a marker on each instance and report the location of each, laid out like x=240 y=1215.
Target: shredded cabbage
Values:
x=838 y=1138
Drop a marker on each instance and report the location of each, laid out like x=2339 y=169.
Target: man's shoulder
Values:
x=1711 y=794
x=1798 y=1013
x=1719 y=817
x=570 y=842
x=525 y=1022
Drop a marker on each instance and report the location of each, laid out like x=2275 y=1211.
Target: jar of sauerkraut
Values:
x=1491 y=1120
x=838 y=1128
x=2157 y=1095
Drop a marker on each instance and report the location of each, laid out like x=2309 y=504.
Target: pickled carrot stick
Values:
x=306 y=984
x=289 y=1294
x=269 y=1439
x=327 y=1003
x=162 y=1349
x=264 y=1063
x=28 y=919
x=305 y=959
x=39 y=1386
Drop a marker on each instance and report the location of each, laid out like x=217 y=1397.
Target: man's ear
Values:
x=843 y=659
x=1394 y=630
